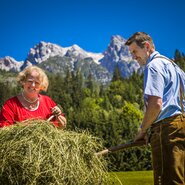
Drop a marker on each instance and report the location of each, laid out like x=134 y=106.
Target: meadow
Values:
x=133 y=178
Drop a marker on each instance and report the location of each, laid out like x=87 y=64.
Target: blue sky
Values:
x=89 y=24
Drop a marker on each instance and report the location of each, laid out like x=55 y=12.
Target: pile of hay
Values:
x=37 y=153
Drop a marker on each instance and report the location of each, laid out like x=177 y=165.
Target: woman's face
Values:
x=32 y=83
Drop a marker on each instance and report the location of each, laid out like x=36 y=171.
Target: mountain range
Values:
x=57 y=59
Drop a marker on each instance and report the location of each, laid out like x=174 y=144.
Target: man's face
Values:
x=139 y=54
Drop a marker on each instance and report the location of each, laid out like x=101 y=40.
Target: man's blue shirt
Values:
x=162 y=79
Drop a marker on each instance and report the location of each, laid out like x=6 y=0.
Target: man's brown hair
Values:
x=140 y=38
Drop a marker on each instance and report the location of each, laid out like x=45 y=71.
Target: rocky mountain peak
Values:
x=76 y=52
x=117 y=41
x=118 y=53
x=117 y=49
x=44 y=50
x=75 y=47
x=10 y=64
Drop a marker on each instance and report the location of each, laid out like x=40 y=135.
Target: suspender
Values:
x=182 y=97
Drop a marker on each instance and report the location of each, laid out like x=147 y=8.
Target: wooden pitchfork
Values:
x=129 y=144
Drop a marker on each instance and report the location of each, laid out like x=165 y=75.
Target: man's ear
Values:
x=147 y=45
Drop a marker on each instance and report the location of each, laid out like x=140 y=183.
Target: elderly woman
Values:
x=29 y=104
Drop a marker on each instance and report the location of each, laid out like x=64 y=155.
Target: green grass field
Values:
x=133 y=178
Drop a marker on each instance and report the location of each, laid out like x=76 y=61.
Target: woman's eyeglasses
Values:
x=30 y=82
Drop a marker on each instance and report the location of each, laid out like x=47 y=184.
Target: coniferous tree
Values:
x=179 y=59
x=116 y=74
x=77 y=86
x=89 y=83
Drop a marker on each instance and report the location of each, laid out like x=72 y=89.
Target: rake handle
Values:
x=50 y=118
x=129 y=144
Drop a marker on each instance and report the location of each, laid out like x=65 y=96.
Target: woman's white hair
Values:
x=22 y=76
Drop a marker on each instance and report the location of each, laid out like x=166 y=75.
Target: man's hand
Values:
x=141 y=135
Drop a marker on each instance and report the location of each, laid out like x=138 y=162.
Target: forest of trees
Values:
x=112 y=113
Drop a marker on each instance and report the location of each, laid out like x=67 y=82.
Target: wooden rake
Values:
x=129 y=144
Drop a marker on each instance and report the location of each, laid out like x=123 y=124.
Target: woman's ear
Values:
x=41 y=88
x=22 y=83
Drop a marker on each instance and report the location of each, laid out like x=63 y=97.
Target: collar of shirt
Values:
x=152 y=56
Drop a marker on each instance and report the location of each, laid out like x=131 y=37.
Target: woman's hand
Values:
x=62 y=120
x=56 y=111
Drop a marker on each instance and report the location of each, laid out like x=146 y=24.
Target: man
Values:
x=164 y=85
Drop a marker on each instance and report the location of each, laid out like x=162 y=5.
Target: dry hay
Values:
x=37 y=153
